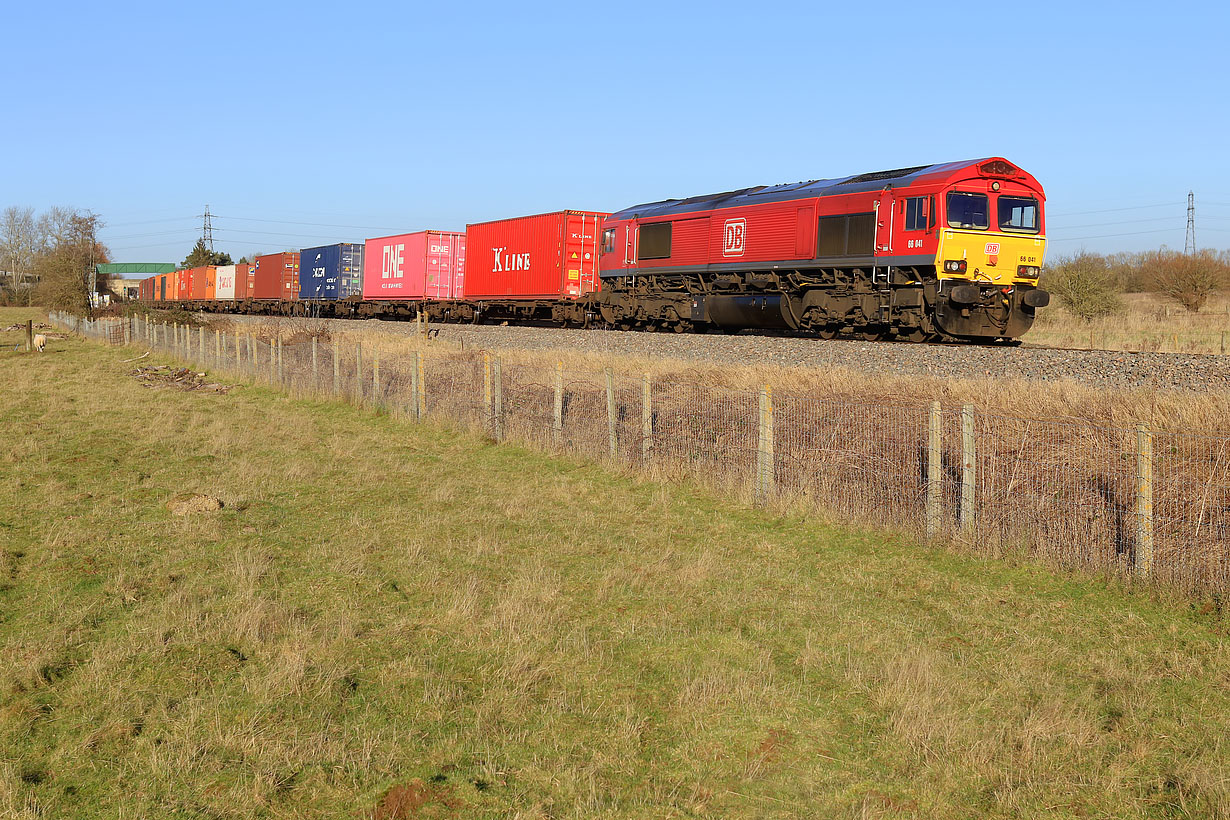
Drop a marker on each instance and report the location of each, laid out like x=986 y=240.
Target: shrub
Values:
x=1085 y=285
x=1188 y=279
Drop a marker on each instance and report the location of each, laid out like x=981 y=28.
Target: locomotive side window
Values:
x=1018 y=213
x=655 y=241
x=916 y=213
x=608 y=240
x=967 y=210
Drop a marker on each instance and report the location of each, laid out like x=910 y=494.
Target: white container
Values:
x=225 y=282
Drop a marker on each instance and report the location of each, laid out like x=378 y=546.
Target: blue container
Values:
x=331 y=272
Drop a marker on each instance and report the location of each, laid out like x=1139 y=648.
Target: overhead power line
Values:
x=1113 y=210
x=308 y=224
x=1051 y=238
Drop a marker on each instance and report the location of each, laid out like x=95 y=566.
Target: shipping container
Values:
x=422 y=265
x=245 y=280
x=277 y=276
x=331 y=271
x=183 y=285
x=224 y=282
x=200 y=282
x=546 y=256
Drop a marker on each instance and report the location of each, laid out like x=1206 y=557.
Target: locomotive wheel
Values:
x=913 y=335
x=827 y=332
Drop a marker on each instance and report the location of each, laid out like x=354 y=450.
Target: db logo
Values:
x=992 y=248
x=734 y=237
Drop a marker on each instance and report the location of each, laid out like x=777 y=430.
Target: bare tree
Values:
x=66 y=264
x=19 y=243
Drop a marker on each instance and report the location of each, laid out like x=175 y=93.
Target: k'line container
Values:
x=331 y=271
x=421 y=265
x=277 y=276
x=545 y=256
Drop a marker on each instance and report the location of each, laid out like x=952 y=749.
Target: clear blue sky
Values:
x=335 y=122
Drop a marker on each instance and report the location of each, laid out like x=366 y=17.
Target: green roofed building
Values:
x=123 y=278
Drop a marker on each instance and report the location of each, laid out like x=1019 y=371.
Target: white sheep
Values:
x=40 y=342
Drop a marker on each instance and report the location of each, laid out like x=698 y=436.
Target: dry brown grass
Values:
x=1149 y=322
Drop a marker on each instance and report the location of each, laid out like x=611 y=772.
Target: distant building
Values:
x=123 y=278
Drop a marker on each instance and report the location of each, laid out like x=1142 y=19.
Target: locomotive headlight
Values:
x=1027 y=272
x=955 y=265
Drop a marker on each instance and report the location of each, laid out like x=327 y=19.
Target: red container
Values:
x=277 y=276
x=183 y=285
x=547 y=256
x=423 y=265
x=245 y=281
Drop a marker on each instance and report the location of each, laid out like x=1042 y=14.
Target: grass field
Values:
x=401 y=621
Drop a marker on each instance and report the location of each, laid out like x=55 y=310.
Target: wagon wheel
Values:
x=827 y=332
x=869 y=333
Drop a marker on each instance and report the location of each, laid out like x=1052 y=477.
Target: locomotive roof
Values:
x=858 y=183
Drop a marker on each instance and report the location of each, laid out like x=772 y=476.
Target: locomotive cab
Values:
x=990 y=251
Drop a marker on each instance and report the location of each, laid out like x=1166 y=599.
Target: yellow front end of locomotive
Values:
x=981 y=257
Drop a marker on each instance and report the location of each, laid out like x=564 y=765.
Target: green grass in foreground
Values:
x=487 y=631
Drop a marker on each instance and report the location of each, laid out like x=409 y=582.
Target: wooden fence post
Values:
x=200 y=338
x=29 y=335
x=612 y=436
x=488 y=404
x=358 y=372
x=969 y=468
x=557 y=420
x=315 y=365
x=646 y=421
x=935 y=486
x=281 y=372
x=497 y=378
x=414 y=387
x=217 y=347
x=273 y=363
x=376 y=379
x=337 y=368
x=1144 y=501
x=764 y=446
x=422 y=383
x=127 y=331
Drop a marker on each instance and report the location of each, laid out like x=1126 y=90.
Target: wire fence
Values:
x=1137 y=503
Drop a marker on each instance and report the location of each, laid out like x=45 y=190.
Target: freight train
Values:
x=950 y=251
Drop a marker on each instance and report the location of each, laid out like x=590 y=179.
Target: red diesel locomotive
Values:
x=935 y=251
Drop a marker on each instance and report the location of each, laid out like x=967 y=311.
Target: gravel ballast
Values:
x=1107 y=368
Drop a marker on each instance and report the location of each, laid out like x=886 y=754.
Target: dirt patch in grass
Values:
x=416 y=799
x=187 y=503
